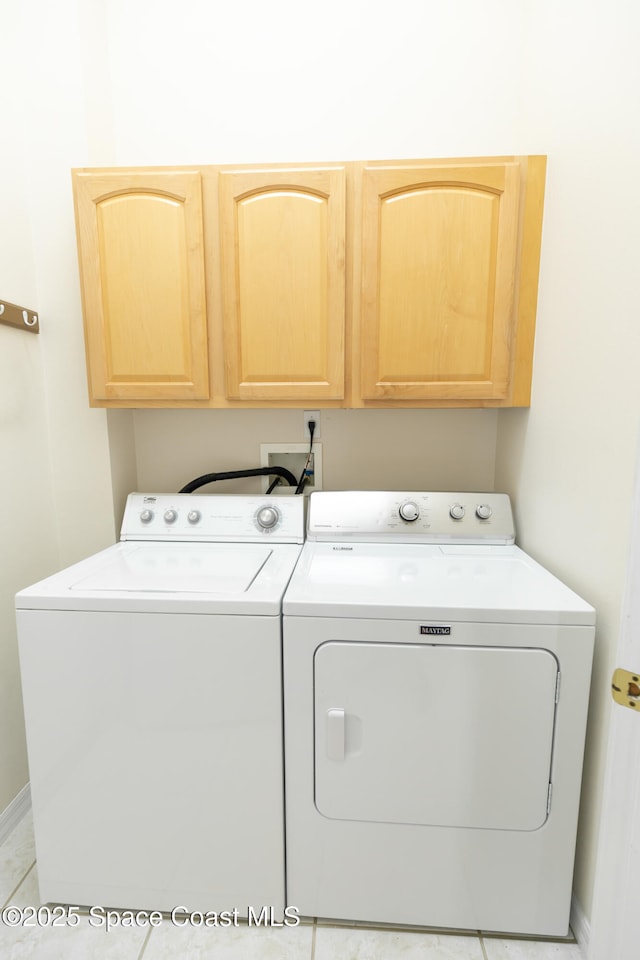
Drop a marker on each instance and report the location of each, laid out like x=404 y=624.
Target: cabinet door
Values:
x=141 y=253
x=283 y=262
x=438 y=269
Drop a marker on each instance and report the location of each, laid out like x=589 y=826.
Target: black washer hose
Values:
x=237 y=474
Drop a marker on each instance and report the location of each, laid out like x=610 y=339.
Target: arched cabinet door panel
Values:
x=141 y=252
x=283 y=282
x=400 y=283
x=439 y=259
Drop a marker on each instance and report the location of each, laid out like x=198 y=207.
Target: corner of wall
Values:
x=122 y=457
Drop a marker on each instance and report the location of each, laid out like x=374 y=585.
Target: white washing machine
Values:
x=152 y=682
x=436 y=682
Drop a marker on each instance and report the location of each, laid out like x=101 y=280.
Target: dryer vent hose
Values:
x=237 y=474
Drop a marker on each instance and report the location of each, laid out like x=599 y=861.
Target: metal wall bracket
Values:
x=15 y=316
x=625 y=688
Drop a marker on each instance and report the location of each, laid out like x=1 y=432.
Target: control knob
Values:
x=146 y=516
x=267 y=517
x=170 y=516
x=193 y=516
x=409 y=511
x=483 y=511
x=456 y=512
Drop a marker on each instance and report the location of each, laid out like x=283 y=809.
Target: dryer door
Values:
x=429 y=734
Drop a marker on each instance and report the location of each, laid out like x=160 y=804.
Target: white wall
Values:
x=28 y=545
x=569 y=461
x=252 y=82
x=246 y=80
x=55 y=484
x=28 y=540
x=51 y=104
x=160 y=82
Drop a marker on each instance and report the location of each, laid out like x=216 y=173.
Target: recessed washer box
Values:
x=292 y=456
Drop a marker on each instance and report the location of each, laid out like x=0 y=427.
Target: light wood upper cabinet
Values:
x=440 y=248
x=283 y=283
x=359 y=284
x=140 y=243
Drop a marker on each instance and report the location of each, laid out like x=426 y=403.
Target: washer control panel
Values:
x=423 y=517
x=214 y=518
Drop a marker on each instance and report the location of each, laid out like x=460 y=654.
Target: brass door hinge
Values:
x=625 y=688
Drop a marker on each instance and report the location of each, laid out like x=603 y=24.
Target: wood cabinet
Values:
x=439 y=255
x=283 y=283
x=363 y=284
x=140 y=241
x=449 y=263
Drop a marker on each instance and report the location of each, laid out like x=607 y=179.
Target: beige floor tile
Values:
x=342 y=943
x=531 y=950
x=75 y=941
x=229 y=943
x=17 y=855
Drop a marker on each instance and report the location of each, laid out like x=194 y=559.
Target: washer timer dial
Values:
x=267 y=517
x=409 y=511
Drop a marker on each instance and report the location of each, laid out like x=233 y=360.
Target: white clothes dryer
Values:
x=152 y=687
x=436 y=682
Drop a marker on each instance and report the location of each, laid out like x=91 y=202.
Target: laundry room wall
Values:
x=28 y=542
x=108 y=82
x=287 y=82
x=568 y=461
x=361 y=449
x=56 y=485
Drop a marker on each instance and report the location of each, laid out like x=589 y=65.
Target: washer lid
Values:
x=224 y=569
x=409 y=581
x=180 y=577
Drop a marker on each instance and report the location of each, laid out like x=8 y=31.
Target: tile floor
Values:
x=308 y=941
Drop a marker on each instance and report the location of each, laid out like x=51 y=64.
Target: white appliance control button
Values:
x=456 y=512
x=483 y=511
x=409 y=511
x=170 y=516
x=146 y=516
x=267 y=517
x=194 y=516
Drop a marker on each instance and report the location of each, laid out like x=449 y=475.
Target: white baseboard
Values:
x=13 y=814
x=580 y=926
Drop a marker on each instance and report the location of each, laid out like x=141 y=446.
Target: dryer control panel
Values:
x=409 y=516
x=214 y=518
